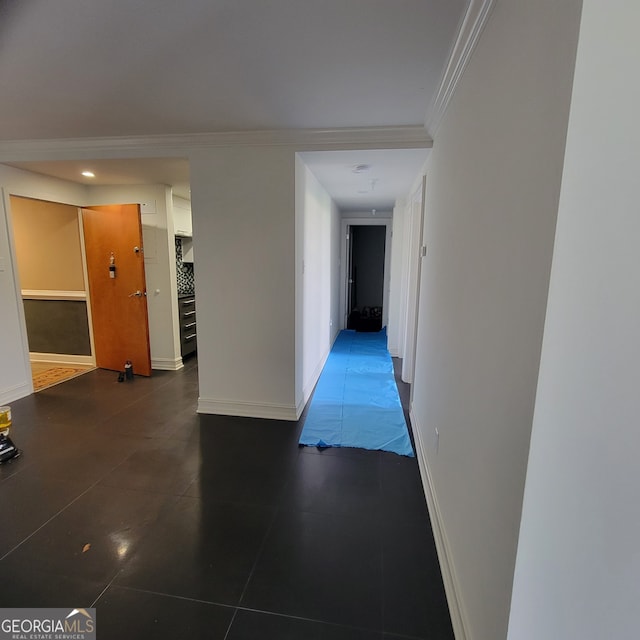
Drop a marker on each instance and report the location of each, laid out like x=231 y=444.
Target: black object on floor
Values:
x=174 y=524
x=8 y=450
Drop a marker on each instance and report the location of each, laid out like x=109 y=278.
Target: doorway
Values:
x=365 y=273
x=365 y=284
x=51 y=265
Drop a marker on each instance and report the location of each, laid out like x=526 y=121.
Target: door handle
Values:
x=136 y=294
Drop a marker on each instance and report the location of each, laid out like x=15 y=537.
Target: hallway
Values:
x=178 y=525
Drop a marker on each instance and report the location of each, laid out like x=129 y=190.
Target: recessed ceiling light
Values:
x=88 y=174
x=360 y=168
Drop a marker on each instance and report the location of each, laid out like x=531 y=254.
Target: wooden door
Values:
x=119 y=303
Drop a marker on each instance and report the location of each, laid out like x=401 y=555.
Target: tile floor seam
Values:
x=238 y=608
x=55 y=515
x=95 y=602
x=263 y=543
x=128 y=406
x=22 y=465
x=233 y=618
x=332 y=514
x=166 y=595
x=336 y=625
x=150 y=492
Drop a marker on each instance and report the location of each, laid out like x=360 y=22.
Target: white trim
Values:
x=300 y=408
x=85 y=275
x=452 y=590
x=167 y=364
x=315 y=376
x=16 y=392
x=78 y=148
x=472 y=25
x=61 y=358
x=308 y=390
x=6 y=203
x=248 y=409
x=411 y=311
x=50 y=294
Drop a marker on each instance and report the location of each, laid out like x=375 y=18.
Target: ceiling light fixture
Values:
x=88 y=174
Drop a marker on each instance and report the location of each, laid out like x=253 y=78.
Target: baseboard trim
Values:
x=61 y=358
x=248 y=409
x=16 y=392
x=452 y=590
x=315 y=376
x=167 y=364
x=393 y=347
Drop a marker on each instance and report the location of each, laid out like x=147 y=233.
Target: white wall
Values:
x=159 y=264
x=243 y=208
x=182 y=215
x=15 y=372
x=491 y=202
x=578 y=569
x=317 y=265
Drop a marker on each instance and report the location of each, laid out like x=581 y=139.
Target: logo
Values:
x=47 y=624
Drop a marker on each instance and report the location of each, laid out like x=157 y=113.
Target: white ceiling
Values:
x=170 y=171
x=73 y=69
x=365 y=180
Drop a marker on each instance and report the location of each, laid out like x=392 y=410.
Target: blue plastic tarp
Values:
x=356 y=401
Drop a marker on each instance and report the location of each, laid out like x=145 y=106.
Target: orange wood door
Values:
x=119 y=304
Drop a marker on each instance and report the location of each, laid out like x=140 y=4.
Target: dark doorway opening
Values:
x=365 y=277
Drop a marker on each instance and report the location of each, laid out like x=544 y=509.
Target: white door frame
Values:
x=27 y=387
x=414 y=247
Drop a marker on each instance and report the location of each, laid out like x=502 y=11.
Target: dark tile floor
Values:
x=208 y=526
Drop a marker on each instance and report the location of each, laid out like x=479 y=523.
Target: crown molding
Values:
x=473 y=23
x=181 y=144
